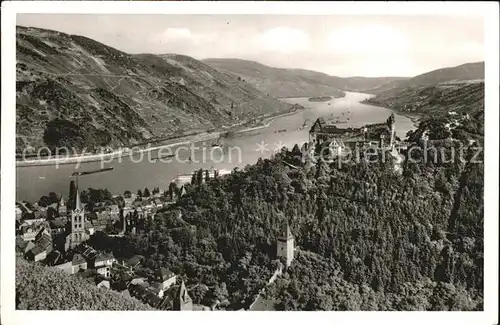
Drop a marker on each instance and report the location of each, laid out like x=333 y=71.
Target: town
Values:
x=55 y=231
x=55 y=234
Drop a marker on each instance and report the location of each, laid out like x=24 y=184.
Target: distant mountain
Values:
x=459 y=89
x=468 y=71
x=459 y=97
x=295 y=82
x=74 y=91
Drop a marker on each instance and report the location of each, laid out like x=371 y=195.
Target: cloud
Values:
x=368 y=40
x=184 y=35
x=283 y=39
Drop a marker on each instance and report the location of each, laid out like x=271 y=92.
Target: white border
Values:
x=488 y=10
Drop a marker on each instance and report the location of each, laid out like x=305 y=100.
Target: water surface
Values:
x=34 y=181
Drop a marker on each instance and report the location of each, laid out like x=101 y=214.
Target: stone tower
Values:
x=61 y=207
x=285 y=245
x=78 y=234
x=392 y=126
x=182 y=300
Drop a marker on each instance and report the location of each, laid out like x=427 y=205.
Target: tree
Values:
x=127 y=194
x=139 y=193
x=146 y=193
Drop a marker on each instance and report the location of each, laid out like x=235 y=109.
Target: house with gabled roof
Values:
x=101 y=282
x=78 y=263
x=165 y=278
x=36 y=254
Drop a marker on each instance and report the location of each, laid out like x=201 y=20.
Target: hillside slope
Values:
x=294 y=82
x=467 y=71
x=43 y=288
x=74 y=91
x=460 y=97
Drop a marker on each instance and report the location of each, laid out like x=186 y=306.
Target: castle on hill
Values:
x=382 y=135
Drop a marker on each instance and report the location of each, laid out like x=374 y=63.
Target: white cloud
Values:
x=283 y=39
x=368 y=40
x=184 y=35
x=175 y=34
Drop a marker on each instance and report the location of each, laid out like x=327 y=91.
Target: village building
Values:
x=157 y=290
x=101 y=282
x=54 y=258
x=141 y=293
x=66 y=267
x=58 y=226
x=43 y=240
x=127 y=210
x=36 y=254
x=29 y=246
x=285 y=245
x=19 y=213
x=114 y=212
x=166 y=278
x=78 y=263
x=103 y=263
x=132 y=262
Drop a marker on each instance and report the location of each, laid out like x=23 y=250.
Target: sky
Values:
x=340 y=45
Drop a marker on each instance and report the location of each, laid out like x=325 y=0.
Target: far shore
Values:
x=193 y=138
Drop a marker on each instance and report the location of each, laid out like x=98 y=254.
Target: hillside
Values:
x=74 y=91
x=43 y=288
x=467 y=71
x=379 y=240
x=294 y=82
x=461 y=97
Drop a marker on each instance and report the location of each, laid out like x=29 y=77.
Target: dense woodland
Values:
x=408 y=241
x=39 y=287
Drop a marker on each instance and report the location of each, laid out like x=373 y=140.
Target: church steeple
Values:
x=78 y=205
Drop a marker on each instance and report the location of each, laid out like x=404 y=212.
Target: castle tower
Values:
x=183 y=301
x=392 y=126
x=285 y=245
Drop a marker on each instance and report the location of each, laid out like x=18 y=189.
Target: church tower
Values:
x=182 y=300
x=61 y=207
x=285 y=245
x=78 y=234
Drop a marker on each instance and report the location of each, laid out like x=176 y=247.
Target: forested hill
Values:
x=459 y=89
x=76 y=92
x=464 y=72
x=43 y=288
x=459 y=97
x=295 y=82
x=369 y=239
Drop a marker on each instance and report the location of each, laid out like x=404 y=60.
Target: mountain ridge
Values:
x=462 y=72
x=282 y=82
x=69 y=86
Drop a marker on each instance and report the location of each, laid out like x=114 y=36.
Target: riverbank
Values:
x=414 y=117
x=184 y=140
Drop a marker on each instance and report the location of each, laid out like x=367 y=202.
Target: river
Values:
x=133 y=173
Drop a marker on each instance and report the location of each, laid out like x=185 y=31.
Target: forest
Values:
x=409 y=241
x=43 y=288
